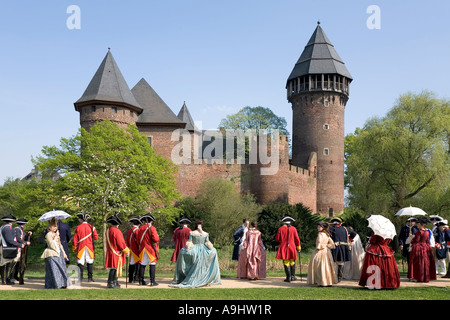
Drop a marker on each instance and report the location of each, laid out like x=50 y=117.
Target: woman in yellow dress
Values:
x=321 y=269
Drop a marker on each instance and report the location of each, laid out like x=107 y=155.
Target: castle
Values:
x=317 y=88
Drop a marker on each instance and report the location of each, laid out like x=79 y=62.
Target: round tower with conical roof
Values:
x=318 y=89
x=108 y=97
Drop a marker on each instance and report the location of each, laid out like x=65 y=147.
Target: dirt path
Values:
x=271 y=282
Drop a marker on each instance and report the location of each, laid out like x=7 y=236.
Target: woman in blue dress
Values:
x=197 y=263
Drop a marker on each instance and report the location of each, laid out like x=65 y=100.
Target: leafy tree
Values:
x=110 y=170
x=257 y=118
x=401 y=159
x=221 y=208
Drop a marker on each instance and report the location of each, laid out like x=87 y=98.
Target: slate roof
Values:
x=185 y=116
x=155 y=110
x=319 y=57
x=108 y=84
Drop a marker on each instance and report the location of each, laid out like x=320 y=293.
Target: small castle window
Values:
x=150 y=141
x=326 y=103
x=93 y=108
x=114 y=109
x=326 y=151
x=326 y=126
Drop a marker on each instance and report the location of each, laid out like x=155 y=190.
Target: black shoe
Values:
x=293 y=277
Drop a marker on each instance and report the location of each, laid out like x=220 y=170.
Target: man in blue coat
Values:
x=65 y=236
x=239 y=236
x=405 y=231
x=342 y=237
x=8 y=237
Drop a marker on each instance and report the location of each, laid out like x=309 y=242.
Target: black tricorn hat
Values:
x=323 y=224
x=287 y=218
x=148 y=217
x=336 y=220
x=22 y=221
x=114 y=219
x=423 y=220
x=135 y=220
x=9 y=218
x=184 y=219
x=83 y=216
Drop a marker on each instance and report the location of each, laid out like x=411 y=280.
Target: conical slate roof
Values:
x=185 y=116
x=156 y=110
x=108 y=85
x=319 y=57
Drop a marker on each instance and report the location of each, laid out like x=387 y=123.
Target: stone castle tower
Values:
x=318 y=89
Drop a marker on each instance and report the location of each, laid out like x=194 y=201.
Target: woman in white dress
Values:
x=352 y=269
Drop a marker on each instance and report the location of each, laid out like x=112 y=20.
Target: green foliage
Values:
x=109 y=170
x=255 y=118
x=305 y=222
x=221 y=207
x=401 y=159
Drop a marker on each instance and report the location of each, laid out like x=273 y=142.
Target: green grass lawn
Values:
x=165 y=269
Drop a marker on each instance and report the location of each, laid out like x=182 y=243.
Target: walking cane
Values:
x=126 y=271
x=300 y=262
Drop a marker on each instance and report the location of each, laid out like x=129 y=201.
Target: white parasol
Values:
x=57 y=214
x=382 y=226
x=410 y=211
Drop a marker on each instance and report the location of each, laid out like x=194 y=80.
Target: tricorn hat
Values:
x=336 y=220
x=83 y=216
x=423 y=220
x=22 y=221
x=114 y=219
x=148 y=217
x=287 y=219
x=135 y=220
x=9 y=218
x=184 y=219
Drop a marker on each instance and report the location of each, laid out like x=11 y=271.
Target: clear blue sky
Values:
x=218 y=56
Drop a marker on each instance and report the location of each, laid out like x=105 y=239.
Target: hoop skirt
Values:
x=352 y=269
x=252 y=259
x=321 y=269
x=380 y=268
x=197 y=263
x=421 y=264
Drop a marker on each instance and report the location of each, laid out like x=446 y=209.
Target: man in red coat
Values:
x=289 y=240
x=115 y=251
x=180 y=237
x=133 y=244
x=83 y=244
x=148 y=248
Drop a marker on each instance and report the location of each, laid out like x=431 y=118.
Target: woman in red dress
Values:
x=379 y=270
x=421 y=265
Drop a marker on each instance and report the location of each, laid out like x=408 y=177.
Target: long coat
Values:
x=237 y=236
x=342 y=237
x=180 y=237
x=147 y=238
x=132 y=242
x=289 y=241
x=116 y=249
x=84 y=237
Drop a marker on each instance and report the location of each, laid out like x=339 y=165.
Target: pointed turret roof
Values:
x=185 y=116
x=156 y=111
x=319 y=56
x=108 y=85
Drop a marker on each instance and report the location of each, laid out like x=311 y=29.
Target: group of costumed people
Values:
x=338 y=253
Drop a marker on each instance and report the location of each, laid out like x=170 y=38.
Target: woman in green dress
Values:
x=197 y=263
